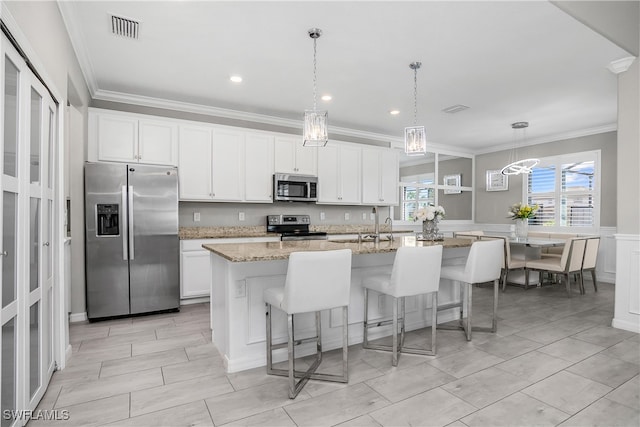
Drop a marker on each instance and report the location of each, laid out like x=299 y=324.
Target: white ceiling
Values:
x=508 y=61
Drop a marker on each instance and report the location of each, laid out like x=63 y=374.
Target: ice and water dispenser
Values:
x=107 y=220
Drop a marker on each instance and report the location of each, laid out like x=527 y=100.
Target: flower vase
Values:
x=430 y=229
x=522 y=228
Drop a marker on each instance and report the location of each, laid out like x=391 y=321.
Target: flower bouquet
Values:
x=430 y=215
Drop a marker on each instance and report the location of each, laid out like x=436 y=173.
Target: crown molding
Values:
x=557 y=137
x=77 y=41
x=621 y=65
x=147 y=101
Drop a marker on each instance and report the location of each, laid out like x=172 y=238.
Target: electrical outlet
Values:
x=240 y=216
x=241 y=289
x=347 y=216
x=364 y=216
x=196 y=217
x=322 y=216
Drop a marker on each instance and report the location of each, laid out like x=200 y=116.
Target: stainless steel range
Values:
x=293 y=227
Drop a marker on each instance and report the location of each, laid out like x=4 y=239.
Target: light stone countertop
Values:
x=270 y=251
x=186 y=233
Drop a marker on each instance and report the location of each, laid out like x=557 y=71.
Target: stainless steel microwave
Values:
x=295 y=188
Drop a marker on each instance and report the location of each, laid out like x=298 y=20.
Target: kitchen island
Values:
x=242 y=271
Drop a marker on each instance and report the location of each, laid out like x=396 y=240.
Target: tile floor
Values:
x=554 y=361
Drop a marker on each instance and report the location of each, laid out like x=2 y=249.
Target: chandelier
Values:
x=316 y=132
x=415 y=137
x=517 y=167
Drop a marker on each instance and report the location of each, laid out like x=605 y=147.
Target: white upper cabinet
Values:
x=157 y=142
x=258 y=184
x=339 y=174
x=194 y=169
x=293 y=157
x=124 y=137
x=228 y=165
x=380 y=168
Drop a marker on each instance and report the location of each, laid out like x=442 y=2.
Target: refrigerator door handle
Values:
x=131 y=231
x=125 y=251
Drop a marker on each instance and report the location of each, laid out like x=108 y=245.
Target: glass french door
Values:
x=28 y=116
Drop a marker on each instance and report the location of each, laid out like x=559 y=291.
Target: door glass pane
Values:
x=34 y=348
x=9 y=214
x=34 y=253
x=10 y=118
x=51 y=148
x=48 y=326
x=8 y=370
x=36 y=121
x=47 y=252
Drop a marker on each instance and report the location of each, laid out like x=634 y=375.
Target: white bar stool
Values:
x=315 y=281
x=416 y=271
x=484 y=264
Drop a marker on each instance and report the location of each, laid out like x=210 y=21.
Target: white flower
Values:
x=429 y=213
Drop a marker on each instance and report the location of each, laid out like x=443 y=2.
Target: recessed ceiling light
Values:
x=326 y=97
x=236 y=79
x=394 y=112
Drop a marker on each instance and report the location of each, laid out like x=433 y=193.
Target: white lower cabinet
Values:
x=195 y=264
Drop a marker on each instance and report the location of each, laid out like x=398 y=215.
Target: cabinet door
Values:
x=370 y=176
x=194 y=168
x=389 y=171
x=157 y=142
x=306 y=158
x=228 y=165
x=328 y=175
x=195 y=274
x=284 y=155
x=350 y=174
x=258 y=168
x=117 y=138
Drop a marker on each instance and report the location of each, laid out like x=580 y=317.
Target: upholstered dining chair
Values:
x=568 y=263
x=415 y=271
x=315 y=281
x=590 y=259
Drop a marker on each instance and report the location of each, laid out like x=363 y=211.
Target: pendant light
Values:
x=515 y=166
x=415 y=137
x=316 y=133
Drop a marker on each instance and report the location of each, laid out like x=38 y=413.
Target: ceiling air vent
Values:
x=124 y=27
x=455 y=109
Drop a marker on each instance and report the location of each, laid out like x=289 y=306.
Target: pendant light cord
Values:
x=315 y=40
x=415 y=96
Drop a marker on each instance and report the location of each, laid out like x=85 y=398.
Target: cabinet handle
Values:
x=4 y=253
x=45 y=244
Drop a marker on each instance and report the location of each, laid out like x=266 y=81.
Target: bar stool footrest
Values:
x=409 y=350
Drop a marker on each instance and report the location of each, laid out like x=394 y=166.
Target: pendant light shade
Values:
x=415 y=137
x=515 y=166
x=316 y=123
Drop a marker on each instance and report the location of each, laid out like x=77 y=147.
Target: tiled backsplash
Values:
x=227 y=214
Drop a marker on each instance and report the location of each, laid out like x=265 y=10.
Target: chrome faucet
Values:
x=390 y=222
x=376 y=228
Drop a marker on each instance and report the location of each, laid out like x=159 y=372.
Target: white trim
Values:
x=626 y=325
x=627 y=237
x=196 y=300
x=621 y=65
x=77 y=317
x=611 y=127
x=77 y=41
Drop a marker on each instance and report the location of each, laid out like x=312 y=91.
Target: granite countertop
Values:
x=269 y=251
x=186 y=233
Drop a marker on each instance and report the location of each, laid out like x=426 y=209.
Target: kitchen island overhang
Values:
x=242 y=271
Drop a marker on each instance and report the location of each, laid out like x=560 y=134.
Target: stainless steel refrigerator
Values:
x=131 y=239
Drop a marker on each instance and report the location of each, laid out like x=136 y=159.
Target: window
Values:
x=566 y=190
x=417 y=192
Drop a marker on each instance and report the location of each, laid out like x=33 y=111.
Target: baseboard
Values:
x=77 y=317
x=626 y=325
x=197 y=300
